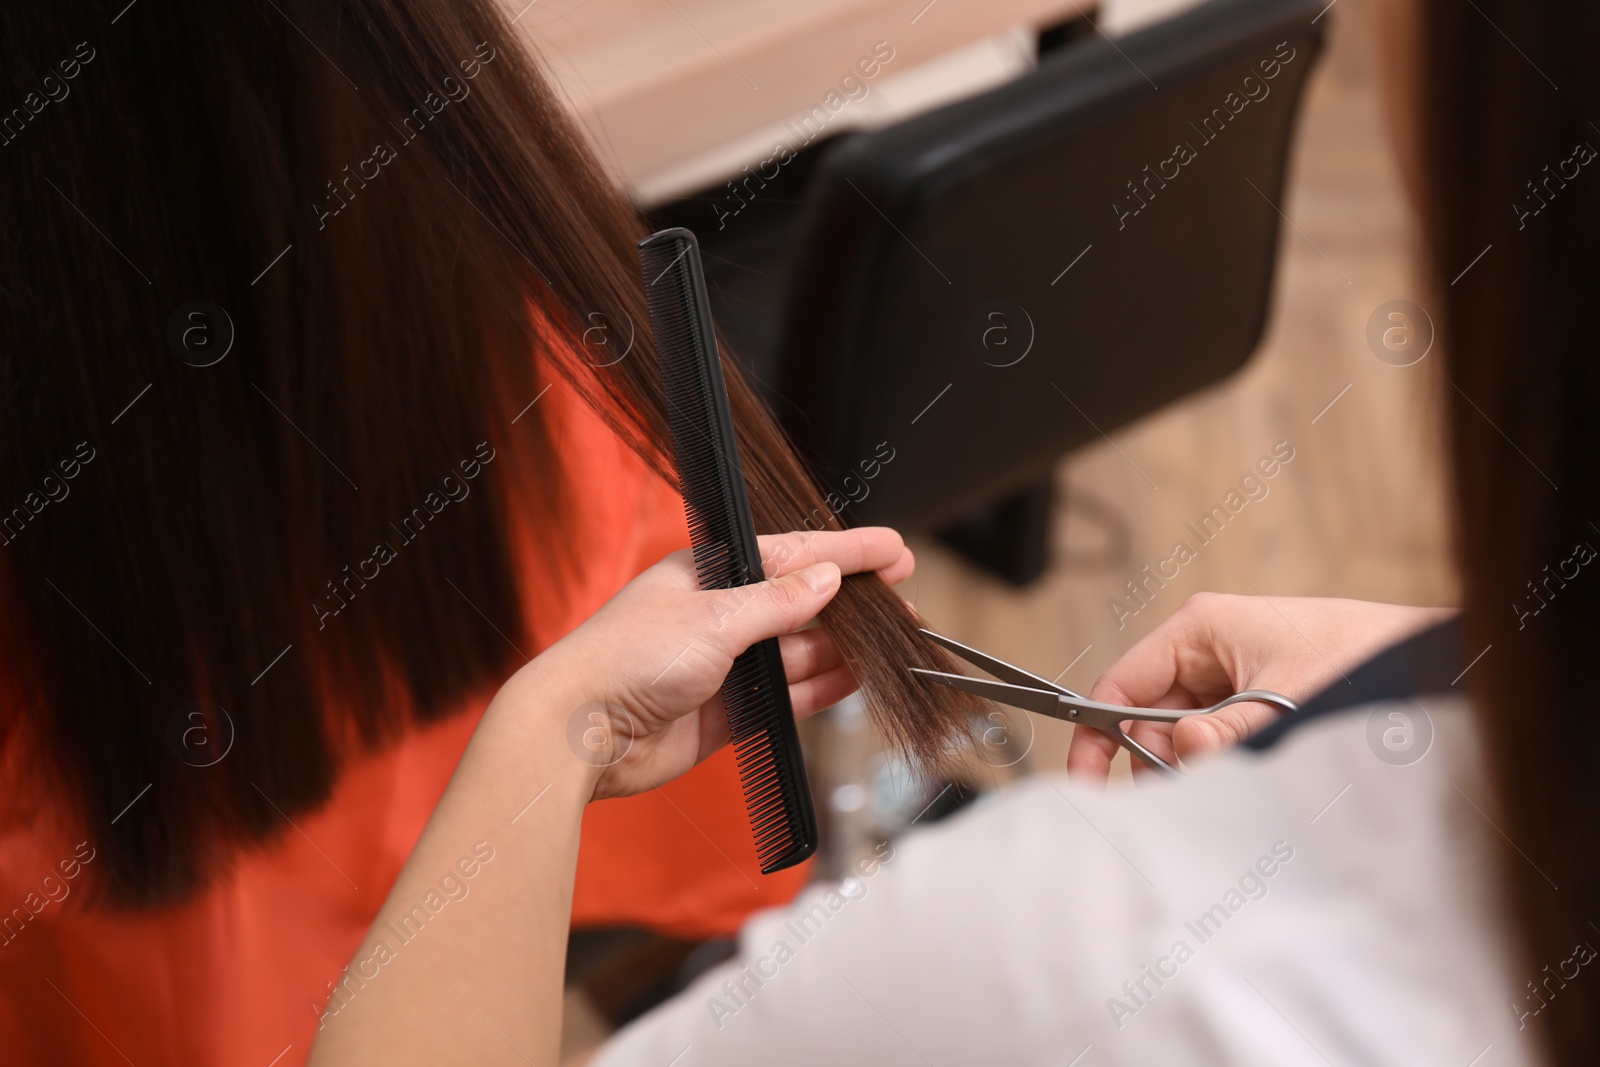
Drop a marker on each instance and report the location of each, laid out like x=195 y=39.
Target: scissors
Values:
x=1032 y=693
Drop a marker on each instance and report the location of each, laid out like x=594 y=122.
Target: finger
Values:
x=866 y=548
x=1145 y=675
x=821 y=691
x=773 y=607
x=808 y=653
x=900 y=570
x=1196 y=735
x=1155 y=736
x=1176 y=659
x=1089 y=756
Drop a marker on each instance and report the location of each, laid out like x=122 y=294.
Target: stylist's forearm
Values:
x=467 y=968
x=464 y=962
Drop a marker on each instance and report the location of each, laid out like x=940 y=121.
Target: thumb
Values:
x=1195 y=735
x=781 y=605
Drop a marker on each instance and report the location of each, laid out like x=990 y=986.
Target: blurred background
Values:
x=1031 y=513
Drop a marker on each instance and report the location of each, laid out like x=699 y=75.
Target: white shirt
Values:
x=1311 y=905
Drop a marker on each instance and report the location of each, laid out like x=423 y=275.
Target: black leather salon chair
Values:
x=985 y=287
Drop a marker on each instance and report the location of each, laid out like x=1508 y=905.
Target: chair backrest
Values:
x=985 y=287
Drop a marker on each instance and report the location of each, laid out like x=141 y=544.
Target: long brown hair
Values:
x=1508 y=142
x=382 y=209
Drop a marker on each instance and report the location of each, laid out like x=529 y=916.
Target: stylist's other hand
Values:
x=1216 y=645
x=650 y=663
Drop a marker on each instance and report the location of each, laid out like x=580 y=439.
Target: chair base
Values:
x=1010 y=538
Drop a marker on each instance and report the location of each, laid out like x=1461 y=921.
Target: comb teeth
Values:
x=776 y=795
x=706 y=454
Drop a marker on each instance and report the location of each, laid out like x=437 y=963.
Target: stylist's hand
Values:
x=651 y=661
x=1216 y=645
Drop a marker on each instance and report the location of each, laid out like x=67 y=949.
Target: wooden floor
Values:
x=1359 y=512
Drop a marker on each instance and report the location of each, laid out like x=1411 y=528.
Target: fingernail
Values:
x=821 y=577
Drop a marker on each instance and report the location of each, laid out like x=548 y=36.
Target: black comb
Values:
x=706 y=453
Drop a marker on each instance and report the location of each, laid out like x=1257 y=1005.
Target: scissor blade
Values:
x=997 y=667
x=1043 y=701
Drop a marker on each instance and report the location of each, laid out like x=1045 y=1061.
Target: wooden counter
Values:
x=659 y=82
